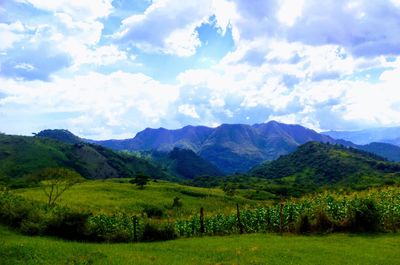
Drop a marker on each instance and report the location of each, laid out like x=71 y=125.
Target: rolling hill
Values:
x=184 y=163
x=325 y=164
x=22 y=155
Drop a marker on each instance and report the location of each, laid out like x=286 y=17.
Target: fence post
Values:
x=281 y=218
x=135 y=223
x=240 y=225
x=202 y=228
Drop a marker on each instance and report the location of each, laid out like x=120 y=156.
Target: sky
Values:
x=110 y=68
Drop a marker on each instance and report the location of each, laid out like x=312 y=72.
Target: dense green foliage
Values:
x=22 y=156
x=377 y=210
x=140 y=180
x=323 y=164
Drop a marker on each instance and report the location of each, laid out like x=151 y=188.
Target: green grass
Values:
x=115 y=195
x=245 y=249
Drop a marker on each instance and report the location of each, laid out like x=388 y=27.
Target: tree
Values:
x=140 y=180
x=229 y=189
x=177 y=202
x=55 y=181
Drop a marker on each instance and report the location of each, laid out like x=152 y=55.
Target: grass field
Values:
x=245 y=249
x=115 y=195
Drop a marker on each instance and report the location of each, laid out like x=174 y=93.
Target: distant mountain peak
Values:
x=61 y=135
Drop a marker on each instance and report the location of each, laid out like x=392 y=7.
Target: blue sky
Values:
x=108 y=69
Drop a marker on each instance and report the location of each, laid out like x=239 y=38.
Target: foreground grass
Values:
x=245 y=249
x=115 y=195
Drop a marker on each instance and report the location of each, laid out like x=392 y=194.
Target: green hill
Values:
x=21 y=155
x=61 y=135
x=184 y=163
x=329 y=165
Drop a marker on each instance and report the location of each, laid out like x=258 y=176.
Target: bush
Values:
x=115 y=228
x=153 y=211
x=363 y=216
x=13 y=209
x=322 y=223
x=68 y=224
x=35 y=222
x=303 y=225
x=154 y=232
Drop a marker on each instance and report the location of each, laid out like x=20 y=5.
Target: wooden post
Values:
x=240 y=225
x=281 y=218
x=135 y=223
x=202 y=228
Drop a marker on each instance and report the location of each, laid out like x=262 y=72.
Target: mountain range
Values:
x=229 y=147
x=389 y=135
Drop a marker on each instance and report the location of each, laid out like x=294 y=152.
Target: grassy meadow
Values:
x=244 y=249
x=118 y=195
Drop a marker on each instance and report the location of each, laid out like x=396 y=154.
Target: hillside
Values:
x=21 y=155
x=61 y=135
x=323 y=164
x=184 y=163
x=229 y=147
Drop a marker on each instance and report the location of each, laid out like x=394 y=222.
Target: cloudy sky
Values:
x=108 y=69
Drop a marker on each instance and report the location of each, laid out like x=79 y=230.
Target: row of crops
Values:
x=377 y=210
x=372 y=211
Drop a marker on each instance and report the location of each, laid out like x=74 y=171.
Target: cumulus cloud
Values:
x=113 y=102
x=10 y=34
x=81 y=10
x=170 y=27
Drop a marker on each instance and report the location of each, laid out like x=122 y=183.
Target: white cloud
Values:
x=120 y=99
x=289 y=11
x=24 y=66
x=189 y=110
x=81 y=10
x=10 y=34
x=169 y=26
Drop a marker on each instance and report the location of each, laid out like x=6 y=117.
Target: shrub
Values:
x=322 y=222
x=363 y=216
x=115 y=228
x=303 y=225
x=154 y=232
x=177 y=202
x=13 y=209
x=153 y=211
x=36 y=221
x=68 y=224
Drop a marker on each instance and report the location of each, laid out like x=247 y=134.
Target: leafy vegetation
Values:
x=372 y=211
x=140 y=180
x=22 y=156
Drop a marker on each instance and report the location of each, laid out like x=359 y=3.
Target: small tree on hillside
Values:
x=55 y=181
x=140 y=180
x=229 y=189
